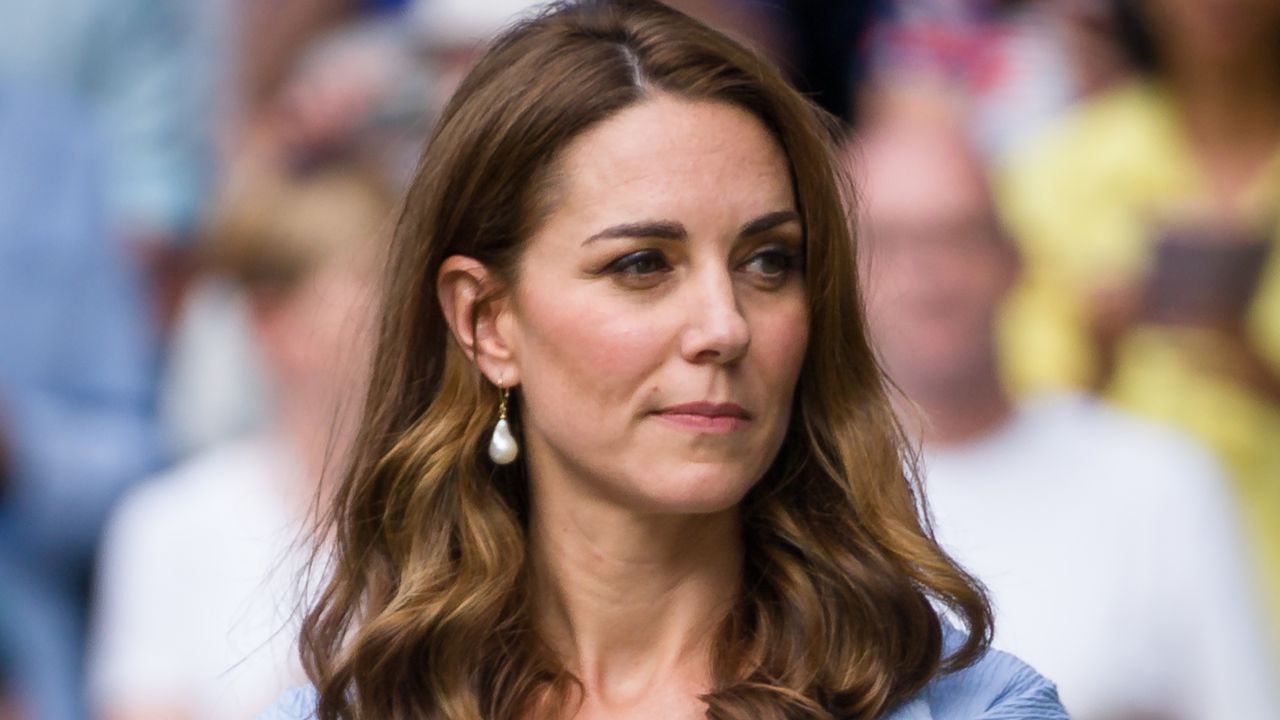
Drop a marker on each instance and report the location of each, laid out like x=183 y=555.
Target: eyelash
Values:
x=627 y=264
x=790 y=260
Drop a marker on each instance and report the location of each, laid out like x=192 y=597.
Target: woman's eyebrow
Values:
x=672 y=230
x=663 y=229
x=769 y=222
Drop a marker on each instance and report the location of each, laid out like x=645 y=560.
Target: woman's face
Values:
x=659 y=319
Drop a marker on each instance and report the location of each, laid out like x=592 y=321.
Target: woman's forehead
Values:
x=672 y=155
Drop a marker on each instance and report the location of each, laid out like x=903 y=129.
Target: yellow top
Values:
x=1081 y=203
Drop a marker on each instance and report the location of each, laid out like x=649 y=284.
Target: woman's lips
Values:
x=711 y=418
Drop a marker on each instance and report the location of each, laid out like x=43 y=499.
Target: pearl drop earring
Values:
x=502 y=447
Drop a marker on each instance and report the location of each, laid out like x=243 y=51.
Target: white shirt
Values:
x=198 y=587
x=1112 y=554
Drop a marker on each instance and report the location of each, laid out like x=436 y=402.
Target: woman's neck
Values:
x=632 y=602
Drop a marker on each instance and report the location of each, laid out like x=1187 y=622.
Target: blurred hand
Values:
x=1219 y=346
x=1205 y=274
x=1204 y=279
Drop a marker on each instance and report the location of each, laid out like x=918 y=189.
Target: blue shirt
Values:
x=79 y=358
x=77 y=371
x=997 y=687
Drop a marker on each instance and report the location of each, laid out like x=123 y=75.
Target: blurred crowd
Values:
x=1067 y=211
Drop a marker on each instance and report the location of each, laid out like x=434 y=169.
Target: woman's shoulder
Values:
x=998 y=686
x=296 y=704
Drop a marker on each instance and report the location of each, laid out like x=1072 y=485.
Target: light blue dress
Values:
x=998 y=687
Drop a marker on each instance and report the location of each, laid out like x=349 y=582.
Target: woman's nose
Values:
x=716 y=329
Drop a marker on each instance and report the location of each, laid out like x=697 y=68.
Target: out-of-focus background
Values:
x=1068 y=222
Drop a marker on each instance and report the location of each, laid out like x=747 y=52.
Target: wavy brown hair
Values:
x=426 y=608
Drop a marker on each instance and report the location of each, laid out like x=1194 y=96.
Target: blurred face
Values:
x=315 y=339
x=935 y=267
x=660 y=320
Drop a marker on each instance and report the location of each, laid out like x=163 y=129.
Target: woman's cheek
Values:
x=602 y=340
x=780 y=339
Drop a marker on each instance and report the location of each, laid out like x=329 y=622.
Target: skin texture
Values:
x=634 y=527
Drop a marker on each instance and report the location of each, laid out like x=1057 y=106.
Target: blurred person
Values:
x=1109 y=545
x=272 y=36
x=197 y=578
x=146 y=75
x=627 y=452
x=259 y=45
x=1149 y=222
x=1008 y=61
x=360 y=88
x=357 y=90
x=77 y=374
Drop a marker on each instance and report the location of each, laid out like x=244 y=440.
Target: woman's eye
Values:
x=772 y=263
x=644 y=262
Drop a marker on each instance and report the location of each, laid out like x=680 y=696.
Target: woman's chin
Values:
x=698 y=490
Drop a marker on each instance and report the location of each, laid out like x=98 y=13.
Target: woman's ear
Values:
x=471 y=306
